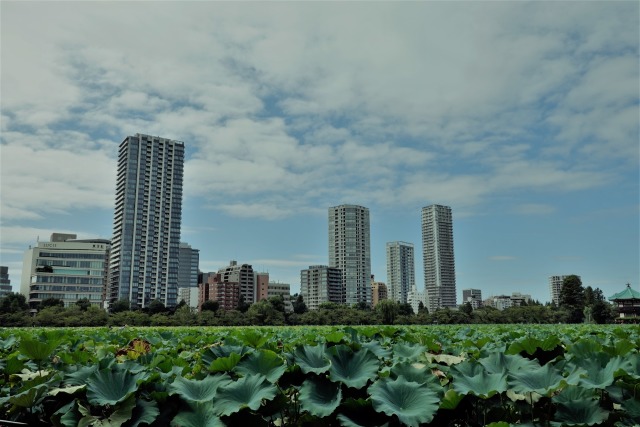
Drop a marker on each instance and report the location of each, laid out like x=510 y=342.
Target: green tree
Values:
x=466 y=309
x=120 y=306
x=388 y=311
x=264 y=313
x=405 y=309
x=184 y=316
x=50 y=302
x=156 y=307
x=210 y=305
x=572 y=298
x=299 y=306
x=277 y=302
x=242 y=305
x=84 y=304
x=13 y=302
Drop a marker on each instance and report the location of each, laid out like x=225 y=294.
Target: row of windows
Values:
x=68 y=280
x=65 y=263
x=71 y=255
x=66 y=296
x=67 y=288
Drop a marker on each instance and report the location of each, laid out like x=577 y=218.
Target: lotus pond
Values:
x=496 y=375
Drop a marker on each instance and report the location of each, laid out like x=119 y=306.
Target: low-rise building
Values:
x=627 y=303
x=379 y=291
x=66 y=268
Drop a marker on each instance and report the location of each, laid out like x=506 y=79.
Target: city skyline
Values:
x=527 y=126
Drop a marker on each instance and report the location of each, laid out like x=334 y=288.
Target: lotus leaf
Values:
x=263 y=362
x=352 y=368
x=411 y=402
x=246 y=392
x=320 y=397
x=194 y=391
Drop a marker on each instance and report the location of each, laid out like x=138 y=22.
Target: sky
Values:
x=521 y=116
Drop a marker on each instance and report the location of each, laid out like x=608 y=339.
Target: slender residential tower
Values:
x=146 y=226
x=439 y=264
x=350 y=251
x=400 y=270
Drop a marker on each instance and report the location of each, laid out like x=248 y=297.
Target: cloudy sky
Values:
x=523 y=117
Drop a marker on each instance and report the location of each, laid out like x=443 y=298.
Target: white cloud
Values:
x=534 y=209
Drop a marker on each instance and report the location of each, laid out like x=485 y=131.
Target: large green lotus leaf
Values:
x=312 y=359
x=376 y=348
x=198 y=391
x=335 y=337
x=467 y=368
x=451 y=399
x=416 y=372
x=6 y=344
x=411 y=402
x=352 y=368
x=67 y=390
x=573 y=393
x=253 y=337
x=37 y=350
x=584 y=349
x=225 y=364
x=80 y=376
x=263 y=362
x=497 y=363
x=579 y=412
x=598 y=377
x=483 y=385
x=406 y=351
x=108 y=387
x=219 y=351
x=67 y=416
x=13 y=364
x=202 y=416
x=621 y=348
x=631 y=408
x=145 y=412
x=542 y=380
x=320 y=397
x=28 y=398
x=246 y=392
x=360 y=413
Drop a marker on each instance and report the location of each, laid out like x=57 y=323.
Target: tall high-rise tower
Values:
x=439 y=264
x=350 y=251
x=400 y=270
x=146 y=225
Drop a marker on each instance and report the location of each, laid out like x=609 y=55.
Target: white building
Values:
x=350 y=251
x=67 y=269
x=414 y=298
x=502 y=301
x=438 y=258
x=400 y=271
x=279 y=289
x=189 y=295
x=146 y=224
x=320 y=284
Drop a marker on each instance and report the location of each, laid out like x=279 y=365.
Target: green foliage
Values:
x=365 y=376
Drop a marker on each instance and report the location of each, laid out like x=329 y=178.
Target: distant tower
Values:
x=146 y=225
x=5 y=282
x=350 y=251
x=438 y=259
x=400 y=270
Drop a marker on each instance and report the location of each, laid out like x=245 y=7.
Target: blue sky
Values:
x=523 y=117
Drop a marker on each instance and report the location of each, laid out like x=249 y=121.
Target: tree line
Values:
x=577 y=305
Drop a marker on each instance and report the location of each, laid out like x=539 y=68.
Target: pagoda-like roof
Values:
x=628 y=293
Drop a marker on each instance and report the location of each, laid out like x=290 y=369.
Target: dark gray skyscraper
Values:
x=350 y=251
x=146 y=226
x=439 y=263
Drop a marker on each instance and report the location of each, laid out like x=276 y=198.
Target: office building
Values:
x=320 y=284
x=145 y=248
x=378 y=292
x=276 y=289
x=350 y=251
x=400 y=270
x=415 y=299
x=5 y=282
x=65 y=268
x=473 y=297
x=244 y=276
x=438 y=259
x=188 y=266
x=555 y=286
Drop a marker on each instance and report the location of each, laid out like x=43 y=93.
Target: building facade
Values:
x=279 y=289
x=244 y=276
x=147 y=219
x=379 y=292
x=320 y=284
x=473 y=297
x=350 y=251
x=5 y=282
x=188 y=266
x=438 y=257
x=400 y=270
x=67 y=269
